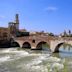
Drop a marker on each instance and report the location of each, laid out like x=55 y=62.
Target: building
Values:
x=12 y=30
x=14 y=26
x=7 y=33
x=4 y=37
x=4 y=33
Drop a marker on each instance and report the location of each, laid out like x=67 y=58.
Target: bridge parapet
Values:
x=32 y=38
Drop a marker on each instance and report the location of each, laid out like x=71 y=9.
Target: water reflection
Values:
x=65 y=51
x=65 y=48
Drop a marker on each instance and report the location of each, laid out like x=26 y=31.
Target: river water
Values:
x=26 y=60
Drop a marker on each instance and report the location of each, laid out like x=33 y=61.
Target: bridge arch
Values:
x=15 y=44
x=26 y=45
x=58 y=46
x=40 y=45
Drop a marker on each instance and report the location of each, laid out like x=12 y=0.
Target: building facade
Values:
x=14 y=26
x=4 y=33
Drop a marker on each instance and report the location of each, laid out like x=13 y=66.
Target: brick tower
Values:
x=14 y=26
x=17 y=22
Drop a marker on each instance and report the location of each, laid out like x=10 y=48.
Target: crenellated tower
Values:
x=17 y=21
x=14 y=26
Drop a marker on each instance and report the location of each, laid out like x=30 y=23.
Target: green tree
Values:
x=51 y=34
x=69 y=32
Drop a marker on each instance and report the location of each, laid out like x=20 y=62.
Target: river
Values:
x=26 y=60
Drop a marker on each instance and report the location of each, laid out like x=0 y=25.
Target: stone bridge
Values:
x=55 y=45
x=36 y=42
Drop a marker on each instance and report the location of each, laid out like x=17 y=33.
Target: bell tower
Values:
x=17 y=21
x=14 y=26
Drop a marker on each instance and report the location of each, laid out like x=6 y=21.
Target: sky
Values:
x=38 y=15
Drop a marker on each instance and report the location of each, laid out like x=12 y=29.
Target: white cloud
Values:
x=51 y=8
x=1 y=17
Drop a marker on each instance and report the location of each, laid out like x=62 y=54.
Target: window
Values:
x=33 y=41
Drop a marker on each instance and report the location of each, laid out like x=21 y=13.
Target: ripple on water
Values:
x=12 y=50
x=58 y=66
x=3 y=59
x=36 y=64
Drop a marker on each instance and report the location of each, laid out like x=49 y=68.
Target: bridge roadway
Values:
x=35 y=42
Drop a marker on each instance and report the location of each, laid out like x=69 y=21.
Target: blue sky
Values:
x=37 y=15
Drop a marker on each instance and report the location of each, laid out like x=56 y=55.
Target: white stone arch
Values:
x=54 y=45
x=40 y=42
x=58 y=46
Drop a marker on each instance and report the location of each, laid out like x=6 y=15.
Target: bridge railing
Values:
x=44 y=38
x=64 y=38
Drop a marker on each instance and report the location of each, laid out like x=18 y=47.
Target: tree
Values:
x=51 y=34
x=69 y=32
x=65 y=34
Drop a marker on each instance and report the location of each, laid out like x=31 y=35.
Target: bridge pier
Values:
x=33 y=46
